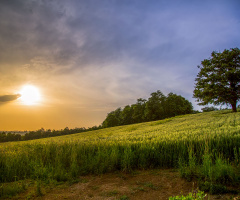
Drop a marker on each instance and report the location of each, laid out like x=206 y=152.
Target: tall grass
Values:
x=159 y=144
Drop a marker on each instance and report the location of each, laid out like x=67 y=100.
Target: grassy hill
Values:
x=183 y=141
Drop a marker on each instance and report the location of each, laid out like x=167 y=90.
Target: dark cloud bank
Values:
x=6 y=98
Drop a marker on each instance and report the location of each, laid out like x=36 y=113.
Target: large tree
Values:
x=218 y=81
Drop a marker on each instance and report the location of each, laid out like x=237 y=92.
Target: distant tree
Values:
x=65 y=131
x=126 y=115
x=3 y=137
x=89 y=129
x=138 y=110
x=177 y=105
x=218 y=81
x=195 y=111
x=208 y=109
x=112 y=119
x=155 y=106
x=42 y=133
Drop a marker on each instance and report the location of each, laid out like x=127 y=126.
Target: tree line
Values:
x=42 y=133
x=157 y=107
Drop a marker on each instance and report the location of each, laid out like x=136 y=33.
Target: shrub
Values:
x=191 y=196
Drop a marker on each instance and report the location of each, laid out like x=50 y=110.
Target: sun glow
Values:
x=30 y=95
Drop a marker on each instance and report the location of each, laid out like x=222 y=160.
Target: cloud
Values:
x=6 y=98
x=73 y=35
x=104 y=49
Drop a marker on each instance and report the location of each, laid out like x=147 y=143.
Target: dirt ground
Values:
x=140 y=185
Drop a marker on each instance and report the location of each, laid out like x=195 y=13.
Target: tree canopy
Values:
x=158 y=106
x=218 y=80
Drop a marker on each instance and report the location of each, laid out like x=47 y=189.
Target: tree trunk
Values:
x=234 y=107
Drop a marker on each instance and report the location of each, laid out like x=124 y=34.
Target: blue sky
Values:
x=91 y=57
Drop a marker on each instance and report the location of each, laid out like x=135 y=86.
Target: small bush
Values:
x=38 y=189
x=191 y=196
x=190 y=170
x=213 y=174
x=213 y=188
x=124 y=197
x=11 y=189
x=224 y=172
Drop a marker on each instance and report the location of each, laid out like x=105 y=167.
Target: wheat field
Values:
x=157 y=144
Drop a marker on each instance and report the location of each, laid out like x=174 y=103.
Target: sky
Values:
x=89 y=57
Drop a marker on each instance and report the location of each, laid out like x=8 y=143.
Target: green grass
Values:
x=158 y=144
x=12 y=189
x=191 y=196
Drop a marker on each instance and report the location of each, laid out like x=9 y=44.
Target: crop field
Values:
x=158 y=144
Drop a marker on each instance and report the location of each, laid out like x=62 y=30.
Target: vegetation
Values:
x=42 y=133
x=157 y=107
x=180 y=141
x=191 y=196
x=219 y=78
x=208 y=109
x=213 y=173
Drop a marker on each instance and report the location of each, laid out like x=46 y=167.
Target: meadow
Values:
x=187 y=141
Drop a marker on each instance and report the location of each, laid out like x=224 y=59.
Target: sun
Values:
x=30 y=95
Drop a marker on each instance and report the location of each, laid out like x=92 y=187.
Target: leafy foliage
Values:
x=218 y=81
x=42 y=133
x=208 y=109
x=157 y=107
x=191 y=196
x=213 y=173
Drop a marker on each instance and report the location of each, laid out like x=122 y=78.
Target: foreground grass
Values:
x=159 y=144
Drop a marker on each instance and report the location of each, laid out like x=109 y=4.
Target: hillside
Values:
x=160 y=144
x=155 y=138
x=202 y=125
